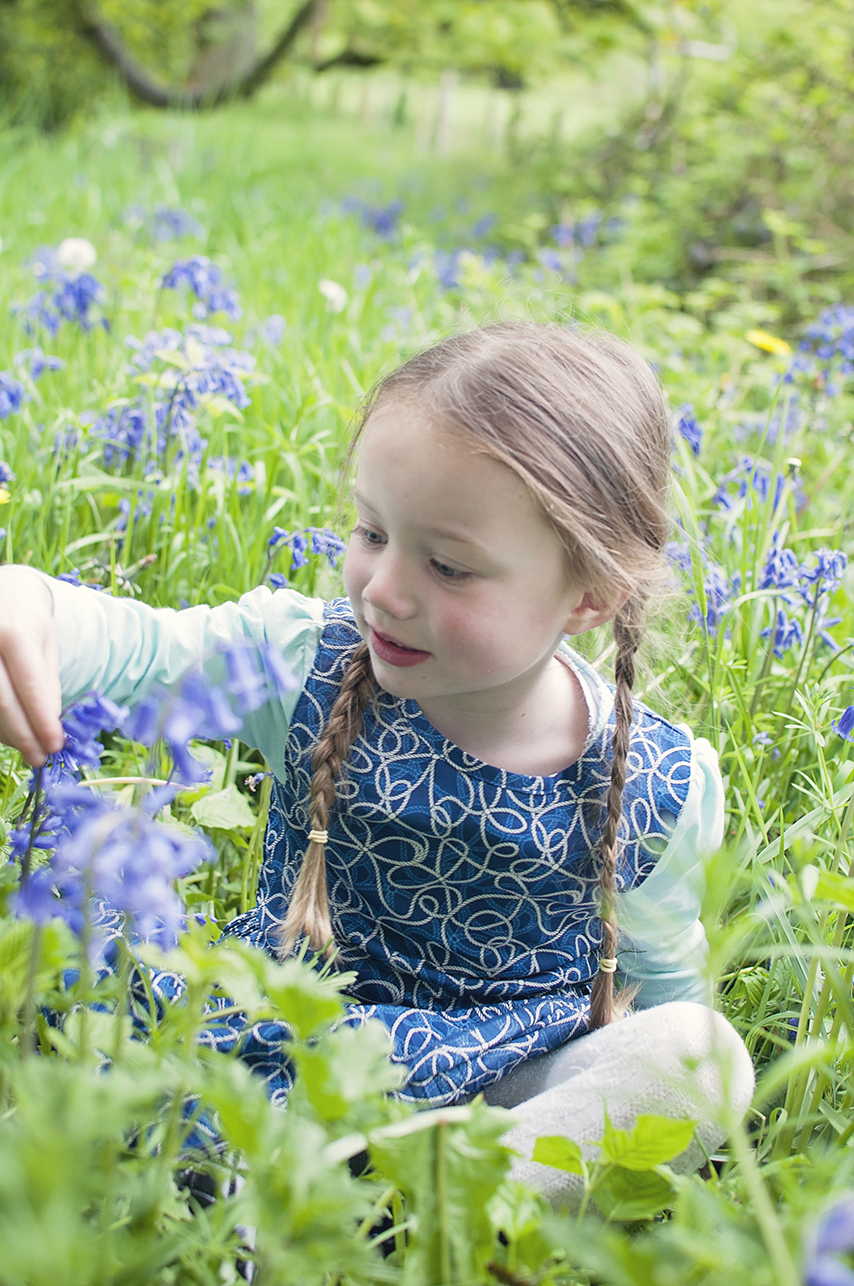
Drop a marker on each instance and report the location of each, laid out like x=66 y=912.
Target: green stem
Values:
x=442 y=1203
x=770 y=1228
x=29 y=1036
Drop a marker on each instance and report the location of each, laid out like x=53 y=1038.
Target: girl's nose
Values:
x=389 y=589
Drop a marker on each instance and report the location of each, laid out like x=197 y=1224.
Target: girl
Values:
x=487 y=831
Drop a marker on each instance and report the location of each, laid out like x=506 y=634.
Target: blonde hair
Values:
x=581 y=419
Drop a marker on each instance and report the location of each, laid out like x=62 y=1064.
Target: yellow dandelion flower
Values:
x=769 y=343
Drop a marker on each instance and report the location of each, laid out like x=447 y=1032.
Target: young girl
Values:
x=487 y=831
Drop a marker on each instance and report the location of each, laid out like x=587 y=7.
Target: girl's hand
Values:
x=30 y=691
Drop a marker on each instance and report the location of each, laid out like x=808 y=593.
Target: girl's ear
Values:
x=593 y=610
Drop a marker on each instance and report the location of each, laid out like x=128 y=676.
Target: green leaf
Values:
x=828 y=886
x=623 y=1193
x=560 y=1153
x=226 y=809
x=654 y=1140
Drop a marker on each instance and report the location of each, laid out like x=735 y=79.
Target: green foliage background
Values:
x=729 y=176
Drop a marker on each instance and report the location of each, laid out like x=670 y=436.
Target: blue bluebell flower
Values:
x=277 y=580
x=239 y=471
x=844 y=725
x=171 y=223
x=381 y=219
x=206 y=281
x=272 y=329
x=6 y=474
x=688 y=426
x=753 y=480
x=563 y=234
x=484 y=225
x=325 y=542
x=781 y=569
x=66 y=297
x=550 y=259
x=762 y=739
x=833 y=1236
x=718 y=591
x=824 y=576
x=447 y=267
x=38 y=899
x=37 y=362
x=588 y=229
x=787 y=633
x=12 y=395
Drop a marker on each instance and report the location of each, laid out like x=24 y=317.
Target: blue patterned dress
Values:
x=462 y=895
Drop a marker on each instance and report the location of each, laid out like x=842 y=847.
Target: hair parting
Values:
x=308 y=912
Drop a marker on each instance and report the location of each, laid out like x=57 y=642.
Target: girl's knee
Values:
x=708 y=1051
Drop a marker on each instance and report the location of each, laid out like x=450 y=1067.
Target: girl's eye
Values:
x=369 y=536
x=448 y=573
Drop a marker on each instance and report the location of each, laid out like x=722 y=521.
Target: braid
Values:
x=605 y=1007
x=308 y=912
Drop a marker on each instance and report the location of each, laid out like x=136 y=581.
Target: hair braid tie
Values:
x=308 y=912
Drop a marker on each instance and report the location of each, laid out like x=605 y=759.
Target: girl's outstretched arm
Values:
x=120 y=647
x=30 y=692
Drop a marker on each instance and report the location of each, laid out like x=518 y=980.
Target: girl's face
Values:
x=458 y=583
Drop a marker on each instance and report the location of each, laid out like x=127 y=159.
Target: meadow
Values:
x=173 y=419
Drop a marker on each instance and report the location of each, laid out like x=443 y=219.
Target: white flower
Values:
x=334 y=294
x=76 y=254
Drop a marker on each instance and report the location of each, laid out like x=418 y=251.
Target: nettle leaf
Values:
x=306 y=1001
x=560 y=1153
x=653 y=1141
x=346 y=1067
x=225 y=809
x=628 y=1194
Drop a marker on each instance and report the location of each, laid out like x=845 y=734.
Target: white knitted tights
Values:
x=677 y=1060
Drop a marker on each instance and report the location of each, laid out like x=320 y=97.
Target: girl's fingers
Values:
x=30 y=693
x=15 y=727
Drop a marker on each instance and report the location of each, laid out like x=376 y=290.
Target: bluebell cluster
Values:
x=122 y=856
x=381 y=219
x=143 y=430
x=754 y=481
x=6 y=474
x=831 y=337
x=36 y=362
x=206 y=281
x=810 y=584
x=164 y=222
x=583 y=232
x=240 y=472
x=12 y=395
x=65 y=297
x=320 y=540
x=144 y=506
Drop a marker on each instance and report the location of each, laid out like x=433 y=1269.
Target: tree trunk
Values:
x=241 y=84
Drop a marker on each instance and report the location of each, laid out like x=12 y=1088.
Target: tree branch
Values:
x=143 y=86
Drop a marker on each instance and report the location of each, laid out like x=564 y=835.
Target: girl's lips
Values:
x=393 y=653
